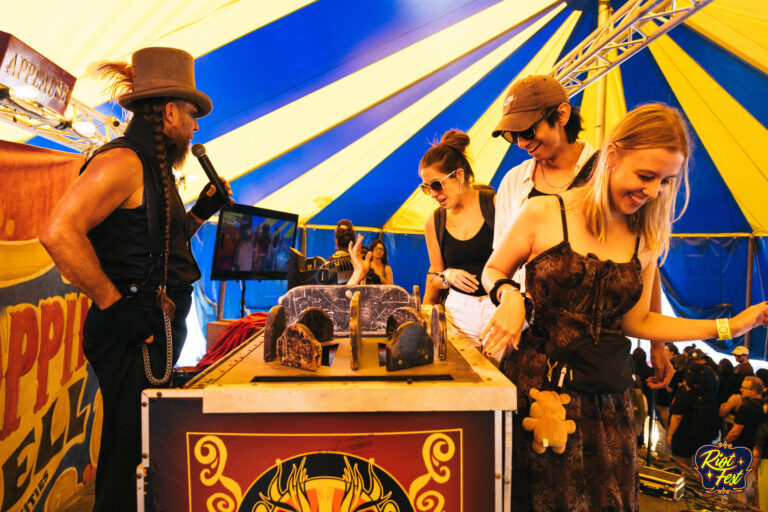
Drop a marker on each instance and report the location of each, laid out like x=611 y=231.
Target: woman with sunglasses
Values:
x=459 y=238
x=590 y=257
x=379 y=263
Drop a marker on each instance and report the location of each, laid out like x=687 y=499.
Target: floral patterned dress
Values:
x=575 y=296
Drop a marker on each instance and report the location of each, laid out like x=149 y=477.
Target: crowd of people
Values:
x=707 y=402
x=555 y=269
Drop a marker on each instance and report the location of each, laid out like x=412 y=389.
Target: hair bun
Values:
x=455 y=139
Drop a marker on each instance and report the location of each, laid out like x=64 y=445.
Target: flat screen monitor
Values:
x=253 y=243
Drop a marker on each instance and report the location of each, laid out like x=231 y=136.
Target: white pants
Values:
x=467 y=315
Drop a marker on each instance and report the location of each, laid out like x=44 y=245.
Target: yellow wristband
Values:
x=723 y=329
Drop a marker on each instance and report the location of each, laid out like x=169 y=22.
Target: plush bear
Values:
x=547 y=421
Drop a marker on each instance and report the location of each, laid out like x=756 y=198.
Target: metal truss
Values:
x=83 y=128
x=630 y=29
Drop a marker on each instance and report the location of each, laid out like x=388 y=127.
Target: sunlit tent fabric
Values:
x=324 y=108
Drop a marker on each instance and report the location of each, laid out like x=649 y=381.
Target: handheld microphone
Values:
x=199 y=151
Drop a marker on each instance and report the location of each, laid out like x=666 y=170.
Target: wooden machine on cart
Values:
x=350 y=399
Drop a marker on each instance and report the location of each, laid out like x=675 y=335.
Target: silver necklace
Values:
x=544 y=175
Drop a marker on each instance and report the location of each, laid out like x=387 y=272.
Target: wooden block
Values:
x=298 y=348
x=399 y=317
x=272 y=330
x=439 y=331
x=377 y=302
x=318 y=322
x=416 y=298
x=355 y=331
x=410 y=347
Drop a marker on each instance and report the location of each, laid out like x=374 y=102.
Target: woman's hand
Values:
x=662 y=366
x=748 y=319
x=461 y=279
x=506 y=324
x=360 y=264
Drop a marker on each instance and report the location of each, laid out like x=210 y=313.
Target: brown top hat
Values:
x=165 y=73
x=526 y=99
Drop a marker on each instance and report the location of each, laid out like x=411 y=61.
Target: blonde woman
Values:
x=590 y=256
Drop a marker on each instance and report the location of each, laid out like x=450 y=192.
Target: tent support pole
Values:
x=603 y=15
x=750 y=262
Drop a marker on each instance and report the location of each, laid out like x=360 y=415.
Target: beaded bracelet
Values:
x=494 y=293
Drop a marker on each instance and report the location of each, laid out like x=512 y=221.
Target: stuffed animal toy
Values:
x=547 y=421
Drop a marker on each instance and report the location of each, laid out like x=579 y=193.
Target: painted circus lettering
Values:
x=23 y=463
x=36 y=335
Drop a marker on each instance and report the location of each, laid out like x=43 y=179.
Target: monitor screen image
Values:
x=253 y=243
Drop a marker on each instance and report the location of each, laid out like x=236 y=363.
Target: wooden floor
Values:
x=695 y=499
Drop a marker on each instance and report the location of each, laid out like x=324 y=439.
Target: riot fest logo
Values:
x=723 y=468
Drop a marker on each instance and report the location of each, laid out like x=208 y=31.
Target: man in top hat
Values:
x=743 y=368
x=121 y=235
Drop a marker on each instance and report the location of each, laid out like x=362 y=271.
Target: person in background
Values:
x=341 y=261
x=671 y=350
x=697 y=357
x=728 y=381
x=762 y=374
x=664 y=394
x=681 y=434
x=643 y=371
x=744 y=367
x=121 y=235
x=459 y=235
x=760 y=461
x=379 y=264
x=591 y=261
x=749 y=416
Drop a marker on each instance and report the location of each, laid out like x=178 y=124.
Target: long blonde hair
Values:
x=646 y=127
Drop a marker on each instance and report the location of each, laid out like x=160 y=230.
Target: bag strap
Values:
x=487 y=207
x=562 y=217
x=439 y=216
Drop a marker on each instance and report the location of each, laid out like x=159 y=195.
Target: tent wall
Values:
x=718 y=267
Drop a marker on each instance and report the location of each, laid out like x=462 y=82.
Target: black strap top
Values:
x=469 y=255
x=577 y=295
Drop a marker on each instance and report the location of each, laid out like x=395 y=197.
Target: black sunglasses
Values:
x=529 y=133
x=436 y=185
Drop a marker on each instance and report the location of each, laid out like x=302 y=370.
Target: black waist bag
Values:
x=587 y=366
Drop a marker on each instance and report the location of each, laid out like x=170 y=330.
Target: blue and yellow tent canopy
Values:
x=324 y=108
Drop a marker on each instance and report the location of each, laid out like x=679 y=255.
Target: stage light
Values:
x=85 y=129
x=25 y=92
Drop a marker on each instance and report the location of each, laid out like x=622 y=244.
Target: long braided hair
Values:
x=120 y=76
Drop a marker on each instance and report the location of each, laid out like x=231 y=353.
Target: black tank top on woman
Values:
x=469 y=255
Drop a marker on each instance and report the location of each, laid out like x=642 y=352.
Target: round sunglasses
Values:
x=436 y=185
x=529 y=133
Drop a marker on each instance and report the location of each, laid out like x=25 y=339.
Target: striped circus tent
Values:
x=324 y=108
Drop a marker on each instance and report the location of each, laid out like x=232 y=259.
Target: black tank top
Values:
x=123 y=242
x=469 y=255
